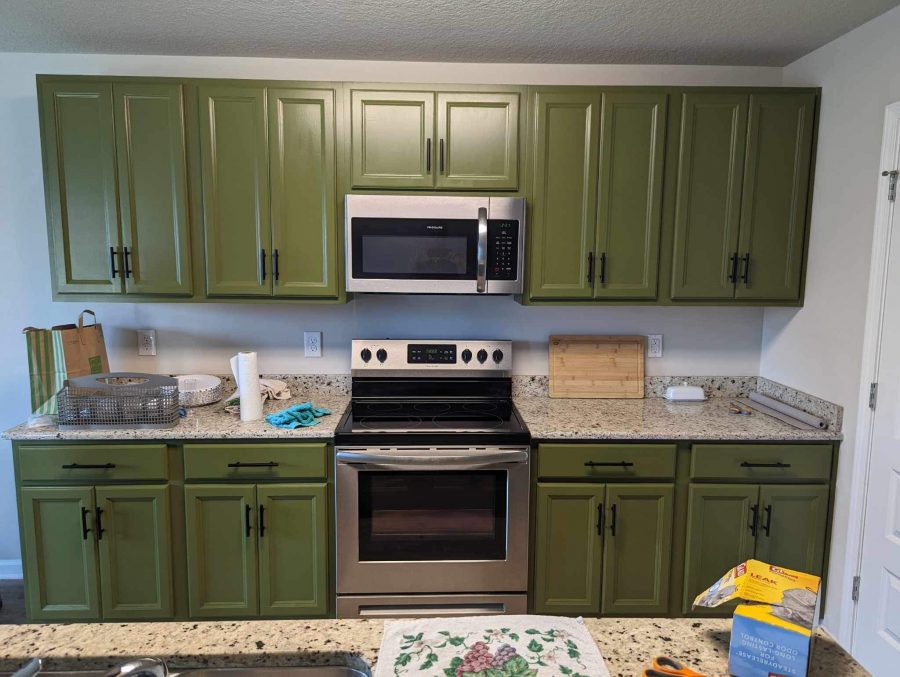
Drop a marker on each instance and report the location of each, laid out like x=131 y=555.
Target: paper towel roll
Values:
x=246 y=377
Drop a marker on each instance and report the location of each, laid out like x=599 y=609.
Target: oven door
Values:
x=432 y=520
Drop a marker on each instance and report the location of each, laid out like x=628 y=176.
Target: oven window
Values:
x=427 y=516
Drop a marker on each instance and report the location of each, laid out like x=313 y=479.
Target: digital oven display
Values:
x=431 y=353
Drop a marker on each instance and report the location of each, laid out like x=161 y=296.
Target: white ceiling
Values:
x=722 y=32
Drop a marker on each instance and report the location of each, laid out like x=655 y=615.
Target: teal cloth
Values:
x=300 y=415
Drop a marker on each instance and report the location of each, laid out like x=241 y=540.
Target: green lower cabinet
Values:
x=221 y=550
x=637 y=548
x=792 y=525
x=293 y=550
x=568 y=548
x=60 y=557
x=134 y=541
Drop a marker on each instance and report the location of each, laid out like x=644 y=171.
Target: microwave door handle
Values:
x=432 y=462
x=482 y=250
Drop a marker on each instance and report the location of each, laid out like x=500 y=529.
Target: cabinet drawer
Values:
x=254 y=461
x=606 y=460
x=117 y=462
x=761 y=462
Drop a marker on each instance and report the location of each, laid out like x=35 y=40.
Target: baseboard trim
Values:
x=10 y=569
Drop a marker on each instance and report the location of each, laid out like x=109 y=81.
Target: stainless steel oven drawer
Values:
x=423 y=606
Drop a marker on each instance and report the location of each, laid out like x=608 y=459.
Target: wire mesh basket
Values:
x=118 y=400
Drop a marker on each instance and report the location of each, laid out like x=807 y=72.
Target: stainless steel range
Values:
x=432 y=482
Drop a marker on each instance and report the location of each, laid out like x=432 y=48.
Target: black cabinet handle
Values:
x=88 y=466
x=607 y=464
x=125 y=256
x=262 y=263
x=600 y=518
x=84 y=525
x=100 y=528
x=262 y=521
x=112 y=262
x=590 y=273
x=441 y=153
x=612 y=522
x=275 y=273
x=754 y=518
x=745 y=260
x=603 y=268
x=264 y=464
x=732 y=275
x=777 y=464
x=767 y=527
x=247 y=525
x=428 y=156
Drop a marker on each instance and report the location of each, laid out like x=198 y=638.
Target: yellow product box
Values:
x=772 y=635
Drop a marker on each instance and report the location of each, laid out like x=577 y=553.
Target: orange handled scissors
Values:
x=663 y=666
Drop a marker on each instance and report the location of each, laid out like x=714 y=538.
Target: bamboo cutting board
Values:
x=597 y=366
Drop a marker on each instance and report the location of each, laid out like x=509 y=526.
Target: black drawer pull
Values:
x=754 y=518
x=608 y=464
x=262 y=521
x=125 y=256
x=777 y=464
x=89 y=466
x=600 y=516
x=112 y=262
x=612 y=522
x=264 y=464
x=84 y=525
x=100 y=529
x=767 y=527
x=247 y=520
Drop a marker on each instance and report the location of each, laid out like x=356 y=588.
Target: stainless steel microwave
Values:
x=432 y=244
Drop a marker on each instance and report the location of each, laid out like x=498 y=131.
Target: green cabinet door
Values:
x=235 y=172
x=221 y=550
x=153 y=191
x=60 y=556
x=478 y=140
x=708 y=194
x=719 y=533
x=80 y=184
x=391 y=139
x=637 y=548
x=564 y=193
x=792 y=524
x=133 y=533
x=303 y=211
x=293 y=550
x=567 y=548
x=632 y=150
x=774 y=202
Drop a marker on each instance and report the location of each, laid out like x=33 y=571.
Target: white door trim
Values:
x=881 y=240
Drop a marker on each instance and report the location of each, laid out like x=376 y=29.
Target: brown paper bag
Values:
x=62 y=352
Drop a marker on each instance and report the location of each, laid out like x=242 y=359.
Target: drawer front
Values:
x=605 y=461
x=110 y=462
x=254 y=461
x=761 y=462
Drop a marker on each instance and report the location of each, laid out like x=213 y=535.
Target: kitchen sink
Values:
x=310 y=671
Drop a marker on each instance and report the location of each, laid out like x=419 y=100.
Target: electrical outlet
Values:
x=312 y=344
x=146 y=341
x=654 y=345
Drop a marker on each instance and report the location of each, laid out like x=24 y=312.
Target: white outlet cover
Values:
x=146 y=339
x=312 y=344
x=654 y=345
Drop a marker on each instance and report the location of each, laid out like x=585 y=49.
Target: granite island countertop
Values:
x=627 y=644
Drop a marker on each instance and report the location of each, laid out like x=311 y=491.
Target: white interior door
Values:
x=877 y=633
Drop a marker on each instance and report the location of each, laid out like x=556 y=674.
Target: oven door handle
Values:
x=433 y=462
x=481 y=263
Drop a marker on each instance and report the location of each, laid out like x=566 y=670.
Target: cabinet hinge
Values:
x=873 y=395
x=892 y=183
x=854 y=594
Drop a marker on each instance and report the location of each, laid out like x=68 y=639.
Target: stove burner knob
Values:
x=498 y=356
x=482 y=356
x=365 y=354
x=466 y=356
x=381 y=354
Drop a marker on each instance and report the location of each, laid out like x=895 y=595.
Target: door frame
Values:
x=871 y=359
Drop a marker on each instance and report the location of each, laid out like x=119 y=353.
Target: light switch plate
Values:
x=146 y=341
x=312 y=344
x=654 y=345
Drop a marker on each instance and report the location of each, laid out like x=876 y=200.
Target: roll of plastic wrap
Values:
x=246 y=377
x=788 y=410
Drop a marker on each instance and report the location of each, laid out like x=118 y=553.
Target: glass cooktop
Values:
x=438 y=416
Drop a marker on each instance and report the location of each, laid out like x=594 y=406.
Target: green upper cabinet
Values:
x=563 y=193
x=60 y=558
x=293 y=549
x=233 y=142
x=774 y=203
x=632 y=151
x=80 y=183
x=637 y=549
x=708 y=194
x=477 y=140
x=792 y=525
x=134 y=539
x=303 y=197
x=153 y=199
x=392 y=139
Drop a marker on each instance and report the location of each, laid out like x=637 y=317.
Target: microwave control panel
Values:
x=502 y=250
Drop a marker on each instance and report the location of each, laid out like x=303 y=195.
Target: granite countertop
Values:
x=653 y=418
x=627 y=644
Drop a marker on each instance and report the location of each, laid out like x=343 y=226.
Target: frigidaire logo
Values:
x=435 y=227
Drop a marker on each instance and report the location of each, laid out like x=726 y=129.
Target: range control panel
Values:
x=409 y=355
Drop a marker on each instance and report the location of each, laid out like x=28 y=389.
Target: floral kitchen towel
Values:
x=489 y=646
